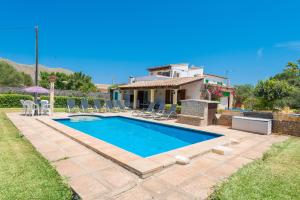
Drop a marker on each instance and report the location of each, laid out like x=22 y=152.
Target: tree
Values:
x=9 y=76
x=243 y=93
x=76 y=81
x=291 y=74
x=60 y=82
x=277 y=92
x=27 y=79
x=82 y=82
x=272 y=90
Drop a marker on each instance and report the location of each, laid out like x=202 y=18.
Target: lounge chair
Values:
x=116 y=105
x=71 y=106
x=45 y=107
x=148 y=110
x=161 y=109
x=109 y=106
x=97 y=105
x=167 y=114
x=31 y=108
x=85 y=105
x=122 y=105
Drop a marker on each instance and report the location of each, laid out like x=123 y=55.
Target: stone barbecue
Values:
x=197 y=112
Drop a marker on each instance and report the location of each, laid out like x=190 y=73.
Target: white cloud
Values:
x=293 y=45
x=260 y=52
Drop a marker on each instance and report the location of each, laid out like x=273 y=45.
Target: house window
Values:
x=164 y=73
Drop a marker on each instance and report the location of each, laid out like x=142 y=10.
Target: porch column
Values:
x=51 y=98
x=230 y=100
x=152 y=91
x=135 y=94
x=175 y=91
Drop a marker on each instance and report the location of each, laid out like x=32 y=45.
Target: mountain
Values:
x=30 y=69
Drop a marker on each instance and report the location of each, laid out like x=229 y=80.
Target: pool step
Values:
x=222 y=150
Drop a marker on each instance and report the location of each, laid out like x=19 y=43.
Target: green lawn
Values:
x=24 y=173
x=275 y=176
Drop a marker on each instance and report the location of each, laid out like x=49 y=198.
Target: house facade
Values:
x=172 y=83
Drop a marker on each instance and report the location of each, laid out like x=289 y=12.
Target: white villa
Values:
x=172 y=83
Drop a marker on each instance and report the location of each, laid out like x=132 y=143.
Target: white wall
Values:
x=193 y=90
x=194 y=72
x=182 y=69
x=214 y=80
x=223 y=103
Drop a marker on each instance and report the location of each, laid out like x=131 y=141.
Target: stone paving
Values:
x=92 y=176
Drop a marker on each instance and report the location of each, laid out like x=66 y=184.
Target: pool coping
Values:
x=143 y=167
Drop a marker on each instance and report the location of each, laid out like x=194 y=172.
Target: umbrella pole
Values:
x=36 y=59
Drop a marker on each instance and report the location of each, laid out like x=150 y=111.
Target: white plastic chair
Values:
x=45 y=107
x=31 y=108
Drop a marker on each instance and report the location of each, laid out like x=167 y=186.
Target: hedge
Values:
x=13 y=100
x=178 y=108
x=61 y=101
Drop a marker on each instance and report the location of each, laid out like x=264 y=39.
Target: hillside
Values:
x=30 y=69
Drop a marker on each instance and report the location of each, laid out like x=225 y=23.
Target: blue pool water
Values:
x=139 y=137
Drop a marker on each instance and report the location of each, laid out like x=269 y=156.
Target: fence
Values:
x=70 y=93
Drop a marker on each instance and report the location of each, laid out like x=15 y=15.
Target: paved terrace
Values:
x=92 y=176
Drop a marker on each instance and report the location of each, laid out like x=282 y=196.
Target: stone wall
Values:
x=191 y=120
x=225 y=120
x=194 y=108
x=286 y=127
x=281 y=123
x=197 y=112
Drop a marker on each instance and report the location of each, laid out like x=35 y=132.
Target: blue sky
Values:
x=115 y=39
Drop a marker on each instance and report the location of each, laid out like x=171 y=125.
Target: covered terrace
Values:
x=170 y=91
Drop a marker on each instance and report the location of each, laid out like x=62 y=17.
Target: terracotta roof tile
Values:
x=173 y=82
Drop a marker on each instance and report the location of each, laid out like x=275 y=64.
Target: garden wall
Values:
x=286 y=127
x=281 y=123
x=226 y=117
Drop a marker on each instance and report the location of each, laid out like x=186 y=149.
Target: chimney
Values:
x=131 y=79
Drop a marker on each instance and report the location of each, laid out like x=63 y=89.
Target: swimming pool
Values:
x=137 y=136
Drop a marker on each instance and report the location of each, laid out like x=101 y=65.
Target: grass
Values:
x=24 y=173
x=275 y=176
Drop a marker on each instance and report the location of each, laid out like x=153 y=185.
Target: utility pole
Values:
x=226 y=75
x=36 y=28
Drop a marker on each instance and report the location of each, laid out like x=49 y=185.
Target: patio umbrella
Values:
x=36 y=89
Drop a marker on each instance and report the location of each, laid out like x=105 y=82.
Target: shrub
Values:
x=13 y=100
x=178 y=108
x=61 y=101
